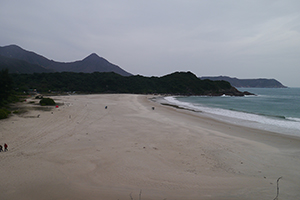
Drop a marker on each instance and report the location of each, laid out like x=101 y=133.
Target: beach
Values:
x=82 y=150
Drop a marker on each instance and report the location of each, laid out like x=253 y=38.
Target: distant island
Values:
x=247 y=83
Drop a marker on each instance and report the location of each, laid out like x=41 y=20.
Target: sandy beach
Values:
x=81 y=150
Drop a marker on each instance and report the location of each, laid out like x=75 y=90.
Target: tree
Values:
x=6 y=85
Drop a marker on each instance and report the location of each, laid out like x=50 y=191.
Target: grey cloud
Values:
x=236 y=38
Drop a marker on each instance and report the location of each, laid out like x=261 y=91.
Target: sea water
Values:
x=272 y=109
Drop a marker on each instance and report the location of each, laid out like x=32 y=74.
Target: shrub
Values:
x=47 y=101
x=4 y=113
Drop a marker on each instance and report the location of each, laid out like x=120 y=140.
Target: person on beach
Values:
x=5 y=147
x=1 y=148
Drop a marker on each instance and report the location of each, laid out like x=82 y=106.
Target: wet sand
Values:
x=81 y=150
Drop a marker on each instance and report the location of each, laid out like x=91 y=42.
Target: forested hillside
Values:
x=179 y=83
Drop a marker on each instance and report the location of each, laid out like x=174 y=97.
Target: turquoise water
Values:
x=274 y=109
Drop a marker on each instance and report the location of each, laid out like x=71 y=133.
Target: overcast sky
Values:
x=237 y=38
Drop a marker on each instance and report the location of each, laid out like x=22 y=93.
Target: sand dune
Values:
x=129 y=151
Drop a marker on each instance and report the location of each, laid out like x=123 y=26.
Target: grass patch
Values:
x=19 y=111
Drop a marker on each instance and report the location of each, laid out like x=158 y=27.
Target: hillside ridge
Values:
x=90 y=64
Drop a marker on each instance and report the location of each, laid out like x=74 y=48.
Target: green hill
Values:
x=178 y=83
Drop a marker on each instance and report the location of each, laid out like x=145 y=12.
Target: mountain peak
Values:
x=90 y=64
x=93 y=59
x=13 y=46
x=92 y=56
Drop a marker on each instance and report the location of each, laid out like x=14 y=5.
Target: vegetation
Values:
x=47 y=101
x=178 y=83
x=6 y=88
x=4 y=113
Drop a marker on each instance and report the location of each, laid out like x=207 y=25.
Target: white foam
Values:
x=293 y=119
x=289 y=126
x=181 y=104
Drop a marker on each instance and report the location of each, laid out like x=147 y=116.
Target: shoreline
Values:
x=207 y=117
x=82 y=150
x=235 y=120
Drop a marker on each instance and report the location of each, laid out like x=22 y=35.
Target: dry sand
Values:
x=129 y=151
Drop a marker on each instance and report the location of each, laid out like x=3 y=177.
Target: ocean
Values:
x=271 y=109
